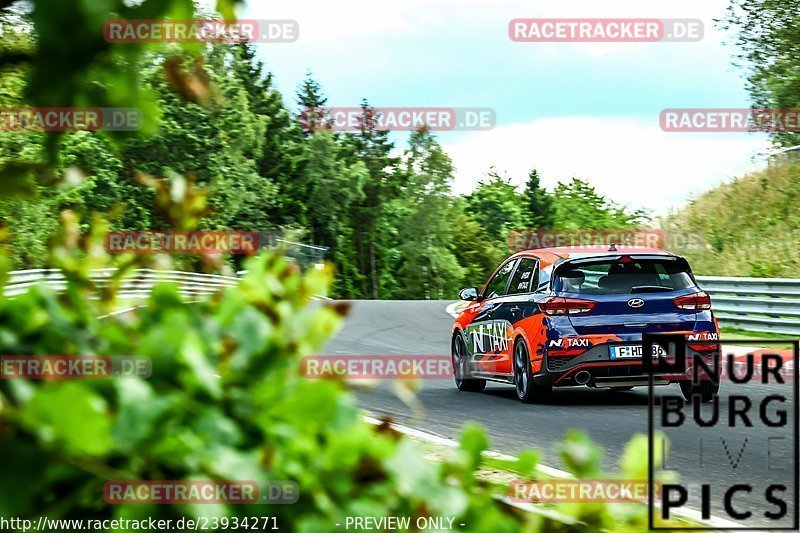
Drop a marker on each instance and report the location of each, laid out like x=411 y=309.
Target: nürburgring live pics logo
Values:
x=736 y=455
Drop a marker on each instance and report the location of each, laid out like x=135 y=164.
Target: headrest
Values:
x=575 y=277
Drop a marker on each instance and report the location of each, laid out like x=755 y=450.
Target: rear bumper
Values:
x=631 y=381
x=601 y=374
x=594 y=368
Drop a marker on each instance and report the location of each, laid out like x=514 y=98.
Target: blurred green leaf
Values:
x=580 y=455
x=71 y=415
x=473 y=441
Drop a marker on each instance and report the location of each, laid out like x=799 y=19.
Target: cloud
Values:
x=457 y=53
x=627 y=159
x=344 y=20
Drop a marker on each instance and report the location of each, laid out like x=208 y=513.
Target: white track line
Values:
x=685 y=512
x=450 y=443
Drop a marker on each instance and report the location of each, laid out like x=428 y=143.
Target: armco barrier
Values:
x=136 y=284
x=757 y=304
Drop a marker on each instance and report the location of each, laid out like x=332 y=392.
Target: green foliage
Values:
x=225 y=401
x=87 y=69
x=769 y=41
x=540 y=211
x=221 y=144
x=579 y=206
x=428 y=268
x=580 y=455
x=478 y=255
x=721 y=235
x=333 y=188
x=383 y=184
x=310 y=99
x=497 y=206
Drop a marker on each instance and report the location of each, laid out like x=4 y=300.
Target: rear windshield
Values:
x=622 y=277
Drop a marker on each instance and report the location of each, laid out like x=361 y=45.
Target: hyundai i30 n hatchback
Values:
x=576 y=316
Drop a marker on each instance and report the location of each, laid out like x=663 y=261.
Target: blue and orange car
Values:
x=575 y=316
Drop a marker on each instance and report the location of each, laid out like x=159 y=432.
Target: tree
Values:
x=769 y=38
x=540 y=205
x=219 y=144
x=280 y=152
x=334 y=187
x=311 y=99
x=393 y=227
x=497 y=206
x=428 y=268
x=372 y=147
x=310 y=93
x=477 y=254
x=579 y=206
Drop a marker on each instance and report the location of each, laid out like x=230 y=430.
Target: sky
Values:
x=589 y=110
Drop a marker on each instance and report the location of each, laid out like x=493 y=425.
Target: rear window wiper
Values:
x=651 y=288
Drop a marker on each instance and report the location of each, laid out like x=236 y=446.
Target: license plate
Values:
x=633 y=351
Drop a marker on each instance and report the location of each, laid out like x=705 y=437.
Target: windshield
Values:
x=623 y=276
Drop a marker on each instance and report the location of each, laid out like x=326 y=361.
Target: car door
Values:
x=489 y=334
x=517 y=304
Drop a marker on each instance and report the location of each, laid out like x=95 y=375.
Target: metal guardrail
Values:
x=769 y=305
x=138 y=284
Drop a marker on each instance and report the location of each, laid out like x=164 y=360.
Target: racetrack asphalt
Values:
x=610 y=418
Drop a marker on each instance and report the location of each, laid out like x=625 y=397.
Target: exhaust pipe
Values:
x=582 y=377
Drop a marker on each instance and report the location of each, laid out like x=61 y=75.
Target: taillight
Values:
x=694 y=302
x=558 y=305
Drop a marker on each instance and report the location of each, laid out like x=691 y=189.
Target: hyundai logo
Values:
x=635 y=303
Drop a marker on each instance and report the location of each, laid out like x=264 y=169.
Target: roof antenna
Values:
x=612 y=248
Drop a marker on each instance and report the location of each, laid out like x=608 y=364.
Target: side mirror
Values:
x=469 y=294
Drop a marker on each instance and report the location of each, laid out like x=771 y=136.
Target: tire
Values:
x=527 y=390
x=705 y=391
x=462 y=371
